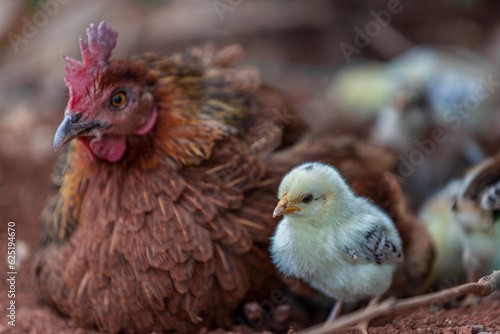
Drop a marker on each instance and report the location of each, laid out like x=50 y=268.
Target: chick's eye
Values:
x=118 y=99
x=307 y=199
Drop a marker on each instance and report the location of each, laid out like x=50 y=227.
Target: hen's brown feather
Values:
x=174 y=235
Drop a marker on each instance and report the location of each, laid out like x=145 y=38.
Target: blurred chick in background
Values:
x=476 y=210
x=463 y=222
x=404 y=100
x=437 y=215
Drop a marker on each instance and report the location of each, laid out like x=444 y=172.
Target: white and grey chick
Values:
x=339 y=243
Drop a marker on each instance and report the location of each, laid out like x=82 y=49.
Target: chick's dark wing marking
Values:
x=378 y=248
x=351 y=252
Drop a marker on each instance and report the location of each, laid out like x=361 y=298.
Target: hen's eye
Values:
x=118 y=99
x=307 y=199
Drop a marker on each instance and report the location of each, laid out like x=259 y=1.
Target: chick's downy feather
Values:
x=340 y=243
x=366 y=169
x=476 y=211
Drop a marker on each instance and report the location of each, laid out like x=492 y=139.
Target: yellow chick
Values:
x=339 y=243
x=445 y=233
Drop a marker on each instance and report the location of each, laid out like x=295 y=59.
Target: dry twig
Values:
x=484 y=287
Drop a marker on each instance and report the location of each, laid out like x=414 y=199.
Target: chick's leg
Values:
x=471 y=299
x=335 y=312
x=471 y=264
x=363 y=325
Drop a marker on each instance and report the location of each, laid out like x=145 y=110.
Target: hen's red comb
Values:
x=81 y=76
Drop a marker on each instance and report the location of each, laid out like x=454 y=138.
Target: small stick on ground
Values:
x=484 y=287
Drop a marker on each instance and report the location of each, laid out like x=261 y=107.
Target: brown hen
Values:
x=159 y=221
x=163 y=205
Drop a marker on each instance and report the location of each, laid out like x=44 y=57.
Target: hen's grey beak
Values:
x=69 y=129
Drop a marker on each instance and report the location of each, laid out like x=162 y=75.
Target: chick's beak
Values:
x=69 y=129
x=283 y=208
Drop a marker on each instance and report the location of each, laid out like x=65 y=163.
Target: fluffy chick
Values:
x=476 y=211
x=461 y=252
x=440 y=221
x=341 y=244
